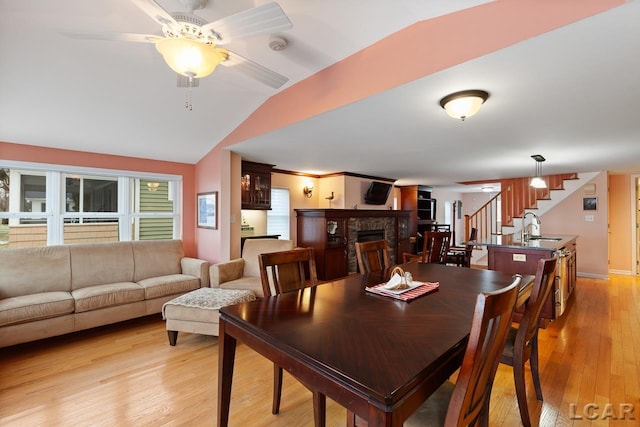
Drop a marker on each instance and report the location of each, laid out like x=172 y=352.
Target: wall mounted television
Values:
x=377 y=193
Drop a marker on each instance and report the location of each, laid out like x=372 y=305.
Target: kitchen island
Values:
x=508 y=253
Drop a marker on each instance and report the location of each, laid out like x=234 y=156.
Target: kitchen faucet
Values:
x=535 y=226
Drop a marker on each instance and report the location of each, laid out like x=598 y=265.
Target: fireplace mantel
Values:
x=352 y=213
x=332 y=233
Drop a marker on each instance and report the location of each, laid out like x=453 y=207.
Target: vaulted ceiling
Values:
x=365 y=79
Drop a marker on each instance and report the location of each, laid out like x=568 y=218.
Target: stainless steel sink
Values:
x=554 y=239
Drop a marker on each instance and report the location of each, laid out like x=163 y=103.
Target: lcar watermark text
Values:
x=609 y=411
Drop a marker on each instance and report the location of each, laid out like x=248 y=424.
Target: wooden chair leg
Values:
x=351 y=419
x=533 y=360
x=484 y=416
x=521 y=392
x=319 y=409
x=277 y=388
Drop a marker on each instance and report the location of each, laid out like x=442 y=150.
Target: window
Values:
x=153 y=209
x=278 y=216
x=80 y=205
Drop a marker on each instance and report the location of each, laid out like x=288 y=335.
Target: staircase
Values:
x=515 y=199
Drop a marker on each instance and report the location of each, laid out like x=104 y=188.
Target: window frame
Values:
x=55 y=212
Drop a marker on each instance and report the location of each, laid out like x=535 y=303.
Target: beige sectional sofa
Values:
x=54 y=290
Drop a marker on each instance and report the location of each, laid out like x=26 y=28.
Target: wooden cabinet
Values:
x=256 y=185
x=404 y=238
x=417 y=199
x=327 y=235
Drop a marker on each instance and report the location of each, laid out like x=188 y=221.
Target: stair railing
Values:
x=484 y=220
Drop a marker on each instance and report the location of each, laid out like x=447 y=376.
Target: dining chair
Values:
x=372 y=256
x=461 y=255
x=435 y=246
x=466 y=403
x=288 y=271
x=522 y=341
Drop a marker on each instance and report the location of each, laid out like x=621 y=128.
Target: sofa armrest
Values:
x=196 y=267
x=226 y=271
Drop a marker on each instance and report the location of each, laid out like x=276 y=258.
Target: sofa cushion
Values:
x=100 y=263
x=101 y=296
x=245 y=283
x=155 y=258
x=254 y=247
x=172 y=284
x=28 y=308
x=25 y=271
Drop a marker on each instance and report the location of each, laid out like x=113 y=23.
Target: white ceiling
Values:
x=568 y=94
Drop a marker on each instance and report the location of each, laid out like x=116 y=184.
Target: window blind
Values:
x=278 y=216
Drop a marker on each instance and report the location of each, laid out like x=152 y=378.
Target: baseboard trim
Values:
x=593 y=276
x=622 y=272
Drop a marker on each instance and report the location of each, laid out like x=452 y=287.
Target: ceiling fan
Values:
x=190 y=44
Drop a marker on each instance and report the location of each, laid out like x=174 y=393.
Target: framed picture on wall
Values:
x=208 y=210
x=589 y=203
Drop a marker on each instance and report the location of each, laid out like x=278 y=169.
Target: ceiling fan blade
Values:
x=120 y=37
x=263 y=19
x=255 y=70
x=157 y=13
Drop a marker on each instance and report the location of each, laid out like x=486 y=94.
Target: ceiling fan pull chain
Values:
x=188 y=105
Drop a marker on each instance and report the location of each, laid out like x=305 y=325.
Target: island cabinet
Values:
x=509 y=255
x=333 y=233
x=255 y=185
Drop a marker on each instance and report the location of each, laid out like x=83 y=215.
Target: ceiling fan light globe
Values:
x=190 y=58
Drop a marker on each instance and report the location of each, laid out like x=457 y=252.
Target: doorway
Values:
x=635 y=204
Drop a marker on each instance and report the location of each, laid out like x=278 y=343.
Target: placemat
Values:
x=425 y=288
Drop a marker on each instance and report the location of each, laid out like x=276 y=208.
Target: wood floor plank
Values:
x=128 y=375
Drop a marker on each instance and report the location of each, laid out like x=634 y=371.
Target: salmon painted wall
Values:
x=621 y=233
x=45 y=155
x=569 y=218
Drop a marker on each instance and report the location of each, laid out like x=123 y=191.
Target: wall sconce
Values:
x=466 y=103
x=537 y=181
x=153 y=186
x=308 y=191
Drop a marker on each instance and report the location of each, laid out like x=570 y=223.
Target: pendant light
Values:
x=537 y=181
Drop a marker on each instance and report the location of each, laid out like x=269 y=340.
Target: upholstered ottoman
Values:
x=197 y=311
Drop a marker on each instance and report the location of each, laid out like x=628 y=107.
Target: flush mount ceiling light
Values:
x=537 y=181
x=466 y=103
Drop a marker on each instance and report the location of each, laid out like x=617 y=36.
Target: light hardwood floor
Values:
x=128 y=375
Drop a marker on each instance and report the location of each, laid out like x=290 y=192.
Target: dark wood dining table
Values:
x=377 y=356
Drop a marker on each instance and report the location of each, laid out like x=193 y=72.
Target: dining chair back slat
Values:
x=372 y=256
